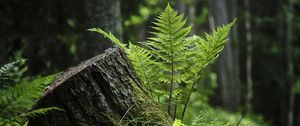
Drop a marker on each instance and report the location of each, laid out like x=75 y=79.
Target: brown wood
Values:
x=101 y=91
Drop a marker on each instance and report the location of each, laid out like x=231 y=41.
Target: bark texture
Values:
x=289 y=63
x=103 y=90
x=249 y=80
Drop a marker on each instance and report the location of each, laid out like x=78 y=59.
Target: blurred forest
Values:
x=257 y=72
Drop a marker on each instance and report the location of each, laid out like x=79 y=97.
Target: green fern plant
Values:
x=17 y=99
x=12 y=72
x=170 y=62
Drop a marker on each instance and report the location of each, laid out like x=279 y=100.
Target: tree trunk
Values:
x=103 y=90
x=59 y=24
x=233 y=12
x=249 y=80
x=98 y=13
x=227 y=77
x=289 y=63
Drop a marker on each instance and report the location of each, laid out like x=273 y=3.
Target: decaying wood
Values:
x=101 y=91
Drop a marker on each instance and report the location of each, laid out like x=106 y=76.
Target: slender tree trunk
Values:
x=102 y=91
x=289 y=62
x=233 y=13
x=191 y=10
x=282 y=38
x=249 y=80
x=180 y=6
x=226 y=70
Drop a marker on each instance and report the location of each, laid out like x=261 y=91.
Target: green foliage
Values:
x=144 y=65
x=17 y=99
x=41 y=111
x=108 y=35
x=171 y=61
x=296 y=88
x=11 y=72
x=202 y=114
x=8 y=68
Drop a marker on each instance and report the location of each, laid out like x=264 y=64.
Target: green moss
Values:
x=145 y=111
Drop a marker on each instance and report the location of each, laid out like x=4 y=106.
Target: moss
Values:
x=148 y=112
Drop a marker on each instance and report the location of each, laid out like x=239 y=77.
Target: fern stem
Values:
x=175 y=111
x=170 y=99
x=158 y=99
x=172 y=82
x=186 y=103
x=185 y=106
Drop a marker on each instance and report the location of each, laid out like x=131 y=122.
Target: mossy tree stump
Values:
x=101 y=91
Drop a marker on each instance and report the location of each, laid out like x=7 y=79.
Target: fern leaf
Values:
x=17 y=99
x=143 y=64
x=11 y=71
x=208 y=48
x=9 y=67
x=109 y=36
x=40 y=112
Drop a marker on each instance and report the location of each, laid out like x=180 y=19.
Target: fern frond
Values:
x=10 y=70
x=41 y=111
x=143 y=64
x=9 y=67
x=109 y=36
x=169 y=47
x=167 y=44
x=17 y=99
x=213 y=44
x=206 y=50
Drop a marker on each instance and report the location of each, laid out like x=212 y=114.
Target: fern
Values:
x=171 y=60
x=143 y=65
x=16 y=99
x=11 y=72
x=206 y=50
x=169 y=47
x=41 y=111
x=110 y=36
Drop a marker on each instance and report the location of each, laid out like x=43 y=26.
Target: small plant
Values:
x=170 y=62
x=17 y=99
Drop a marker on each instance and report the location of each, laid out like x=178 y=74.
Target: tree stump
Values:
x=101 y=91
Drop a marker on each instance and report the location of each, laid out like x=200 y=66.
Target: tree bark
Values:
x=227 y=77
x=289 y=63
x=233 y=10
x=249 y=79
x=103 y=90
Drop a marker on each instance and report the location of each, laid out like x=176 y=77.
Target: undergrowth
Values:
x=17 y=96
